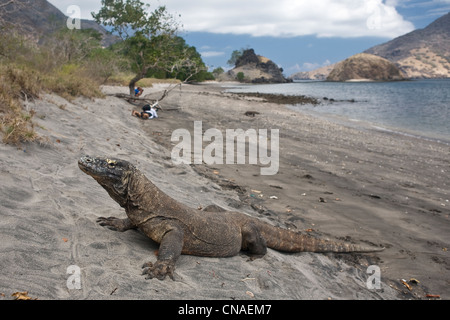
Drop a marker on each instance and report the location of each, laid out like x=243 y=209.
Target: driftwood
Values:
x=132 y=99
x=135 y=100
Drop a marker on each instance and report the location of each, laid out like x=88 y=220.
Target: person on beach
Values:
x=138 y=91
x=148 y=112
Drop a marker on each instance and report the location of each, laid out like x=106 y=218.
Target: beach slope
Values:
x=360 y=186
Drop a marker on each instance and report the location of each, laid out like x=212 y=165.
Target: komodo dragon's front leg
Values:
x=171 y=239
x=168 y=234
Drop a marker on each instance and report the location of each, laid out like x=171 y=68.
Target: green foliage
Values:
x=203 y=76
x=235 y=55
x=68 y=69
x=240 y=76
x=181 y=61
x=150 y=41
x=128 y=17
x=103 y=63
x=218 y=71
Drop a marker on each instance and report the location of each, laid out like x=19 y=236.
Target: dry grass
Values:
x=70 y=82
x=15 y=123
x=18 y=83
x=18 y=128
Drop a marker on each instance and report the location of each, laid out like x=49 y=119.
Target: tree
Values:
x=147 y=35
x=103 y=63
x=218 y=71
x=235 y=55
x=187 y=63
x=73 y=46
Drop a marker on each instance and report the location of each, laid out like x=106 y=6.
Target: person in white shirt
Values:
x=148 y=112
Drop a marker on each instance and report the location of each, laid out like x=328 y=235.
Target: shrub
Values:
x=240 y=76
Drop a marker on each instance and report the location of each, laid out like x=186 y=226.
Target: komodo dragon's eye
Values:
x=111 y=163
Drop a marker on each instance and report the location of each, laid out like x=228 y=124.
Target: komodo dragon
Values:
x=180 y=229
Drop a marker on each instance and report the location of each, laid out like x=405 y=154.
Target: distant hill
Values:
x=365 y=67
x=423 y=53
x=38 y=18
x=256 y=69
x=316 y=74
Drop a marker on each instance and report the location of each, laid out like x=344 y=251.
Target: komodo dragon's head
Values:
x=111 y=174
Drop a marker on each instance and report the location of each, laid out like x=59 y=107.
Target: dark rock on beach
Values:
x=281 y=98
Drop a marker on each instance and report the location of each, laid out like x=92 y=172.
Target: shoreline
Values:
x=365 y=125
x=322 y=103
x=333 y=182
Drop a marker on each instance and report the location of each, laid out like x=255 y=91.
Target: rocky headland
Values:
x=256 y=69
x=365 y=67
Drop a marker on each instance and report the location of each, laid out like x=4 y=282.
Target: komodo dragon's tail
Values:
x=289 y=241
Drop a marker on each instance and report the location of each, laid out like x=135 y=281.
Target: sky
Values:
x=298 y=35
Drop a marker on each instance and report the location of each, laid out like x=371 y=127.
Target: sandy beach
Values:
x=362 y=186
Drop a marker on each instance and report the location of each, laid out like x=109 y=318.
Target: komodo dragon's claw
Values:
x=110 y=222
x=159 y=270
x=115 y=224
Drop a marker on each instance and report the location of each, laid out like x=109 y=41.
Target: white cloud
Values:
x=279 y=18
x=290 y=18
x=209 y=54
x=294 y=69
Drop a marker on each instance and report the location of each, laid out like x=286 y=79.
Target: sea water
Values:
x=420 y=107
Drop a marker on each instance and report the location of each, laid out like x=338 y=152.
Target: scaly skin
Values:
x=183 y=230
